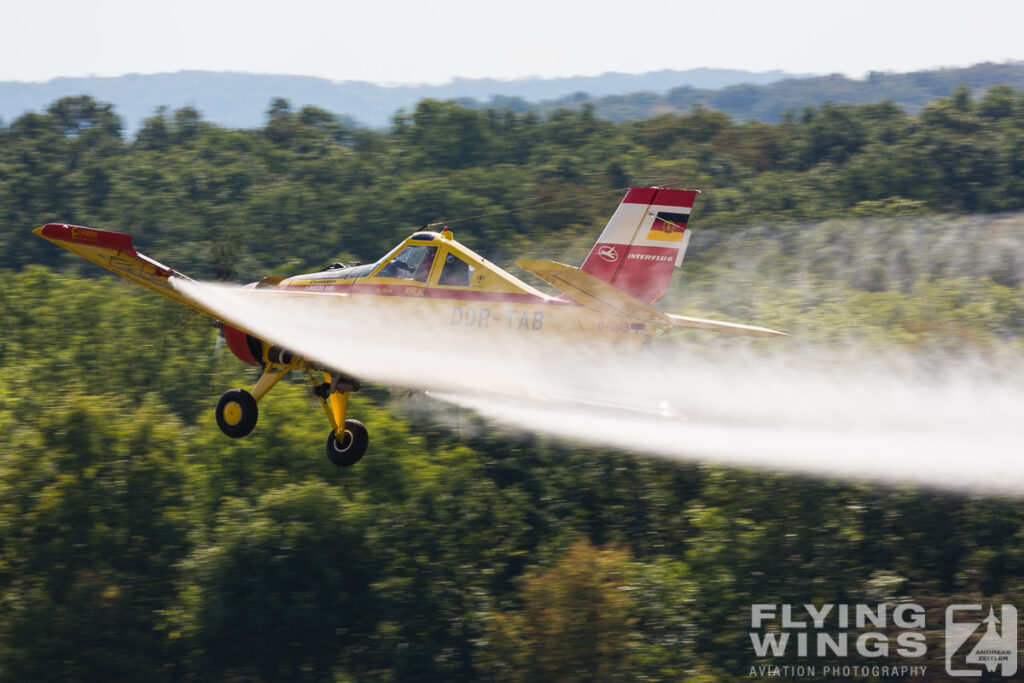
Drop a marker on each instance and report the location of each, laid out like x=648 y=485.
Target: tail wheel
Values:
x=236 y=413
x=352 y=446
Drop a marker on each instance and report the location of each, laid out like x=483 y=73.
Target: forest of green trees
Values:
x=139 y=543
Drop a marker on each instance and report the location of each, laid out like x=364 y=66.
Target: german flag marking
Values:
x=668 y=227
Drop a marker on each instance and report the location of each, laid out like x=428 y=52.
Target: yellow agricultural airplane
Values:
x=605 y=303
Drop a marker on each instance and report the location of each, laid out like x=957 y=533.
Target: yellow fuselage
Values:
x=483 y=301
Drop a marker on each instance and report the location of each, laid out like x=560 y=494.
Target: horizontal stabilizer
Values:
x=719 y=326
x=592 y=292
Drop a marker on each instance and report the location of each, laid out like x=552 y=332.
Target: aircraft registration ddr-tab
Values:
x=605 y=303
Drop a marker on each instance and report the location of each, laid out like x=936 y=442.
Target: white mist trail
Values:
x=882 y=420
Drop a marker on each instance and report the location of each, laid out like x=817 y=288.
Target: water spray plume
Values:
x=779 y=413
x=953 y=422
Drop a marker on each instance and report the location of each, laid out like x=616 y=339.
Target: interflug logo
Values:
x=996 y=649
x=608 y=253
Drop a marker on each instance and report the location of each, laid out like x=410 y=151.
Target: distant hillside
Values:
x=768 y=103
x=239 y=100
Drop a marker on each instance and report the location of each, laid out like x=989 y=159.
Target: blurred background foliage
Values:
x=138 y=542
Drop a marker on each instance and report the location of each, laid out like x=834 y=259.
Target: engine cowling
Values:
x=250 y=349
x=246 y=347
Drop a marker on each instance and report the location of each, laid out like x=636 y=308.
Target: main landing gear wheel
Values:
x=236 y=413
x=352 y=446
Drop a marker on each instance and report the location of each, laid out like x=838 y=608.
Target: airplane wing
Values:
x=592 y=292
x=114 y=251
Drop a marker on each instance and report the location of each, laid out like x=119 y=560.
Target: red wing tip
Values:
x=106 y=239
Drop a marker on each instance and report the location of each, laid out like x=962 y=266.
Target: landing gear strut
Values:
x=348 y=439
x=237 y=410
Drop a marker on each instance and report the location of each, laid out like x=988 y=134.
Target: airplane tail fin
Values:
x=643 y=242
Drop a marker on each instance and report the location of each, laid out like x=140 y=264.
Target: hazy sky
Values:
x=435 y=40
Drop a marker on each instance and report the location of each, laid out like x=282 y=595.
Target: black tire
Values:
x=352 y=447
x=236 y=413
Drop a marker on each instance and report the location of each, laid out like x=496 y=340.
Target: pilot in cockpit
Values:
x=455 y=272
x=413 y=263
x=424 y=268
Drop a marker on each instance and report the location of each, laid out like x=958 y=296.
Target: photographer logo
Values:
x=995 y=650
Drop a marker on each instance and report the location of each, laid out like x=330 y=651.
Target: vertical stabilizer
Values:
x=644 y=240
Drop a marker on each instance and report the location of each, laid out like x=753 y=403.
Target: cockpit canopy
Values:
x=425 y=259
x=416 y=261
x=412 y=263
